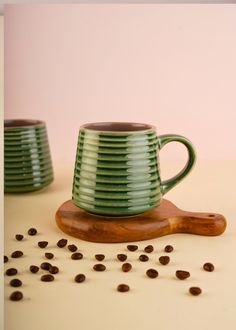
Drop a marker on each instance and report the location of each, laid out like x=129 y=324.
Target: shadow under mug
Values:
x=27 y=160
x=117 y=168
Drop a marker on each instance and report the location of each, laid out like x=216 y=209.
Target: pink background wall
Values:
x=170 y=65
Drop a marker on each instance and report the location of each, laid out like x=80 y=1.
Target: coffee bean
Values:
x=77 y=256
x=132 y=247
x=80 y=278
x=11 y=271
x=62 y=243
x=149 y=249
x=32 y=231
x=19 y=237
x=72 y=248
x=15 y=282
x=182 y=274
x=42 y=244
x=209 y=267
x=169 y=248
x=195 y=290
x=99 y=257
x=123 y=288
x=53 y=270
x=121 y=257
x=34 y=269
x=126 y=267
x=47 y=278
x=5 y=259
x=16 y=296
x=143 y=257
x=17 y=254
x=152 y=273
x=164 y=260
x=45 y=265
x=99 y=267
x=49 y=255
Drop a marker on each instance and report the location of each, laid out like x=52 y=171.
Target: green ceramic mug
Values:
x=117 y=168
x=27 y=160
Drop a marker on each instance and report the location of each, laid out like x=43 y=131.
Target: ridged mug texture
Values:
x=27 y=159
x=117 y=174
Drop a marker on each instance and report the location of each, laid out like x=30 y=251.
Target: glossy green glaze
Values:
x=27 y=160
x=117 y=169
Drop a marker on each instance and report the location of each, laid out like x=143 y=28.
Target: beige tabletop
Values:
x=162 y=303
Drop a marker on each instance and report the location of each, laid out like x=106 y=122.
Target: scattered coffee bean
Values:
x=47 y=278
x=182 y=274
x=34 y=269
x=72 y=248
x=17 y=254
x=62 y=243
x=152 y=273
x=123 y=288
x=45 y=265
x=32 y=231
x=169 y=248
x=53 y=270
x=77 y=256
x=80 y=278
x=99 y=267
x=121 y=257
x=15 y=282
x=5 y=259
x=143 y=257
x=16 y=296
x=11 y=271
x=209 y=267
x=149 y=249
x=42 y=244
x=195 y=290
x=49 y=255
x=126 y=267
x=99 y=257
x=164 y=260
x=132 y=247
x=19 y=237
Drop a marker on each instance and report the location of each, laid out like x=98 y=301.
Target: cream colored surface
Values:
x=162 y=303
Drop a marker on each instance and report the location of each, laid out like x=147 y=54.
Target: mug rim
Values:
x=116 y=127
x=22 y=123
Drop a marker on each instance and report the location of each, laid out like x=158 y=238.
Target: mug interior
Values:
x=117 y=127
x=13 y=123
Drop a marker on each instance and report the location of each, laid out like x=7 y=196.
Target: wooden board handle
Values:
x=208 y=224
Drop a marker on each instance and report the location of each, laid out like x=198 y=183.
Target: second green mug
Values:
x=117 y=168
x=27 y=159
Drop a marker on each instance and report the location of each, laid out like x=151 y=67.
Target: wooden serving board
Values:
x=164 y=220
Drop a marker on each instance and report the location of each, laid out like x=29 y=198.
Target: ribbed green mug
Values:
x=27 y=160
x=117 y=168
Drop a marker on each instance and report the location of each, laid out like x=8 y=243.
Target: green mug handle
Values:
x=167 y=138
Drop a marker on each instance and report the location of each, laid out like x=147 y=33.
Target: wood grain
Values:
x=164 y=220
